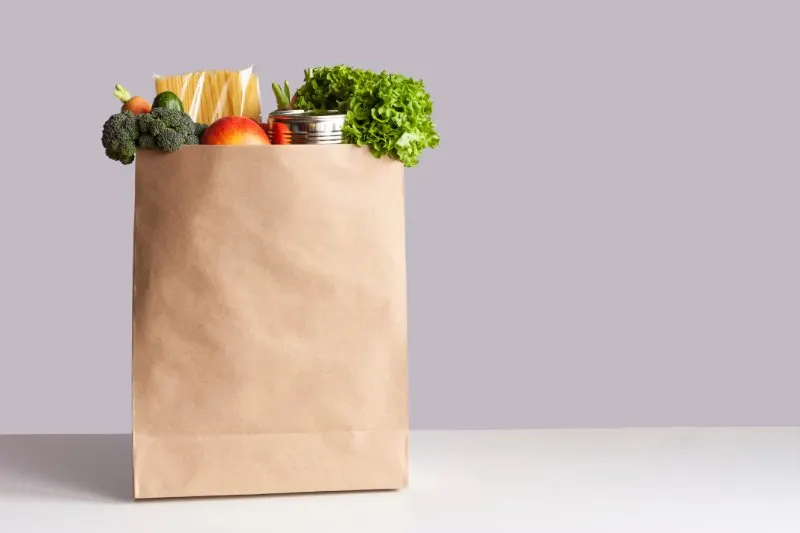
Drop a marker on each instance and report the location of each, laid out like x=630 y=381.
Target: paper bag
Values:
x=269 y=321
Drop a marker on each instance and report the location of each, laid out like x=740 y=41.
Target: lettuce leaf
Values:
x=388 y=113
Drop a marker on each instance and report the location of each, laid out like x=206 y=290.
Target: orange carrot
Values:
x=135 y=104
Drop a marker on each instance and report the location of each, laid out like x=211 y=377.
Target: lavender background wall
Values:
x=607 y=236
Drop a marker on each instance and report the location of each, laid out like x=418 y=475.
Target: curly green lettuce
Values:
x=391 y=114
x=330 y=88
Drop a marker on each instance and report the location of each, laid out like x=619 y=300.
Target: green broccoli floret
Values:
x=166 y=129
x=169 y=140
x=161 y=129
x=146 y=140
x=120 y=134
x=149 y=124
x=200 y=129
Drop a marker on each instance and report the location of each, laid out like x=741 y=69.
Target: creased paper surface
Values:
x=269 y=321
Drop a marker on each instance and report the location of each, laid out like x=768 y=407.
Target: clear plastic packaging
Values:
x=208 y=95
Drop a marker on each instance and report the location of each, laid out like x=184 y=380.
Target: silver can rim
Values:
x=308 y=116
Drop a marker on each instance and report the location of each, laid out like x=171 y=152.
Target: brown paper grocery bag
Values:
x=269 y=321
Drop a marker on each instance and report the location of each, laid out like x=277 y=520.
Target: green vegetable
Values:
x=120 y=134
x=389 y=113
x=200 y=129
x=283 y=96
x=166 y=129
x=168 y=100
x=331 y=88
x=161 y=129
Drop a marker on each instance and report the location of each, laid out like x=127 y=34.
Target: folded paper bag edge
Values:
x=270 y=152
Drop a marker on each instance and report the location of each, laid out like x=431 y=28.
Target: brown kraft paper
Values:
x=269 y=321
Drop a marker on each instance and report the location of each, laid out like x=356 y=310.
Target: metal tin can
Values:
x=305 y=127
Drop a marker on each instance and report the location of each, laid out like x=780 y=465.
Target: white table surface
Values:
x=676 y=480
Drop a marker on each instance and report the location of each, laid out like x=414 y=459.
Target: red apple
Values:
x=234 y=130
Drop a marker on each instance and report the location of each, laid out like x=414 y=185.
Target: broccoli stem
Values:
x=122 y=93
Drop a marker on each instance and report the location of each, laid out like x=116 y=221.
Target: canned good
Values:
x=305 y=127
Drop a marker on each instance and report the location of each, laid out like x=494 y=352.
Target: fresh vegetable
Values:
x=389 y=113
x=168 y=100
x=166 y=129
x=200 y=129
x=392 y=116
x=329 y=88
x=283 y=97
x=120 y=133
x=135 y=104
x=234 y=130
x=161 y=129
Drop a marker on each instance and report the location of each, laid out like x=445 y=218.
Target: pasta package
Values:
x=208 y=95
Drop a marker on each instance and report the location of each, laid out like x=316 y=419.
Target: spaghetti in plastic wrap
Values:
x=208 y=95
